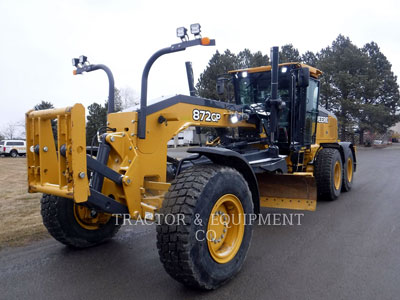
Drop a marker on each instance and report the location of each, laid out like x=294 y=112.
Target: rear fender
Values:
x=348 y=148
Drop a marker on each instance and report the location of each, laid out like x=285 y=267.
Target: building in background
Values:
x=395 y=133
x=186 y=137
x=396 y=128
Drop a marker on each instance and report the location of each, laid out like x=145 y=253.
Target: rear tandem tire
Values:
x=60 y=219
x=207 y=193
x=328 y=174
x=348 y=172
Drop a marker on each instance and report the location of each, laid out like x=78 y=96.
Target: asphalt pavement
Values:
x=347 y=249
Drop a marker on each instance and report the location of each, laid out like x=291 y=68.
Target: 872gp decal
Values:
x=205 y=115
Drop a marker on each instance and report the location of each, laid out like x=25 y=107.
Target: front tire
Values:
x=328 y=174
x=14 y=153
x=69 y=223
x=209 y=247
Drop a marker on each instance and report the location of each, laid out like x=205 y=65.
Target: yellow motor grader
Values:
x=275 y=147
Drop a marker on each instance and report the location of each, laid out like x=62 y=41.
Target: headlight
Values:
x=234 y=118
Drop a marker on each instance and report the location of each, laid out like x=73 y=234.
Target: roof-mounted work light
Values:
x=75 y=62
x=195 y=29
x=82 y=59
x=181 y=33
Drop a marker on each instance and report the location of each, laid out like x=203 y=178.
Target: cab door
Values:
x=311 y=113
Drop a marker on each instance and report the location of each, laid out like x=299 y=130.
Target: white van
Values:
x=12 y=148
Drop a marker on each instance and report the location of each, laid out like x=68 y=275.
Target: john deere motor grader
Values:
x=275 y=148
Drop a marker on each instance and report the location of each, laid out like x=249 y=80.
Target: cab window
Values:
x=311 y=111
x=251 y=88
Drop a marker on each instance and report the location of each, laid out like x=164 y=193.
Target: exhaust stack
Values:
x=189 y=73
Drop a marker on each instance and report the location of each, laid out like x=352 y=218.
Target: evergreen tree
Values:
x=48 y=105
x=43 y=105
x=246 y=59
x=287 y=53
x=358 y=85
x=344 y=66
x=220 y=64
x=97 y=118
x=309 y=58
x=380 y=99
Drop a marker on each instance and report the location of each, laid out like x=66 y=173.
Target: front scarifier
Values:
x=275 y=148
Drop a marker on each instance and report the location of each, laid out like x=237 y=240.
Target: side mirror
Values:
x=220 y=86
x=303 y=79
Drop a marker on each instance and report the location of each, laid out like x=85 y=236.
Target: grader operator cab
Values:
x=275 y=148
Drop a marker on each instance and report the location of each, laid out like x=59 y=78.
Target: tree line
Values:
x=97 y=112
x=357 y=84
x=96 y=117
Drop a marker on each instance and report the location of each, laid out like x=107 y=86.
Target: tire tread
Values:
x=323 y=173
x=51 y=210
x=173 y=241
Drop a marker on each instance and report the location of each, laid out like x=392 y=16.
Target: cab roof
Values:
x=314 y=72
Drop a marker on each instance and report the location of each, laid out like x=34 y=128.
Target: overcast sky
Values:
x=38 y=38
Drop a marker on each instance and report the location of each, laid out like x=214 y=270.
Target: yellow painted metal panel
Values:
x=47 y=153
x=327 y=132
x=286 y=203
x=49 y=171
x=153 y=185
x=143 y=162
x=77 y=148
x=288 y=191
